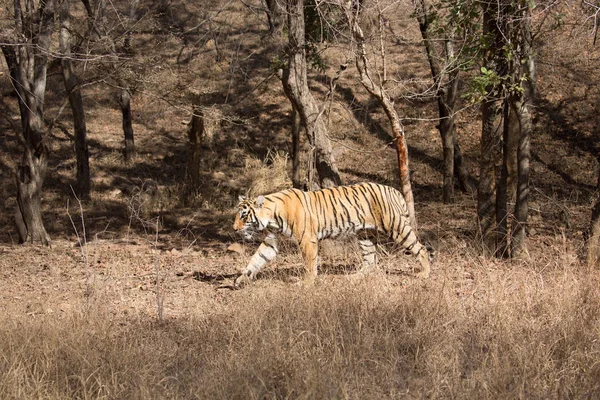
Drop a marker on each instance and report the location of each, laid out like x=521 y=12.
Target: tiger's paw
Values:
x=309 y=280
x=365 y=270
x=423 y=275
x=243 y=280
x=298 y=282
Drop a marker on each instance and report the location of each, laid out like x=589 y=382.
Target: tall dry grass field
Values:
x=477 y=329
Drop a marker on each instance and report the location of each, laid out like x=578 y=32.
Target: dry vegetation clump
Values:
x=476 y=330
x=268 y=175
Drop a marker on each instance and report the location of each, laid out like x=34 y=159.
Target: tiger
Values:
x=363 y=209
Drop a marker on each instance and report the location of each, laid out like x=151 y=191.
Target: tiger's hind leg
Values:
x=369 y=252
x=265 y=253
x=422 y=255
x=407 y=238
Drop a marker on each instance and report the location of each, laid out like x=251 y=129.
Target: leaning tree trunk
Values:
x=379 y=92
x=295 y=85
x=79 y=126
x=28 y=67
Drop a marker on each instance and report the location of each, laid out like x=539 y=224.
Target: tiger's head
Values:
x=250 y=217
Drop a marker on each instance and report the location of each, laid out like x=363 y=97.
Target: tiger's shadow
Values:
x=291 y=273
x=224 y=281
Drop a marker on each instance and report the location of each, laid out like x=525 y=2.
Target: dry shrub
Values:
x=268 y=175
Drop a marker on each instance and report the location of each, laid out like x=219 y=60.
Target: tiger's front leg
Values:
x=265 y=253
x=310 y=249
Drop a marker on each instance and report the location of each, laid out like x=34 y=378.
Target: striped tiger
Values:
x=363 y=209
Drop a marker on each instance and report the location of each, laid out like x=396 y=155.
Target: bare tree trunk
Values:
x=460 y=171
x=522 y=202
x=449 y=96
x=502 y=187
x=27 y=63
x=512 y=146
x=295 y=85
x=296 y=126
x=273 y=9
x=486 y=191
x=79 y=126
x=195 y=133
x=403 y=170
x=490 y=131
x=125 y=104
x=93 y=17
x=522 y=103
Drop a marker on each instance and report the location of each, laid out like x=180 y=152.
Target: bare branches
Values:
x=595 y=7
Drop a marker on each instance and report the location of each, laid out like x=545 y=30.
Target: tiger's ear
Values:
x=260 y=200
x=241 y=198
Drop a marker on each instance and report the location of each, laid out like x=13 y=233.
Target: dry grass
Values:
x=478 y=329
x=268 y=175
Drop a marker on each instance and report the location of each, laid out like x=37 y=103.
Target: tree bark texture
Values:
x=195 y=133
x=460 y=171
x=27 y=59
x=203 y=128
x=502 y=237
x=490 y=131
x=486 y=191
x=296 y=127
x=295 y=85
x=523 y=161
x=75 y=101
x=273 y=9
x=522 y=105
x=125 y=104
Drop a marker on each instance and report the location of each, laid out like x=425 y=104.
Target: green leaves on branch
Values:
x=482 y=85
x=489 y=84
